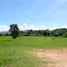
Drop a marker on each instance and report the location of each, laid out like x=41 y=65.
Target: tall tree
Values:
x=14 y=30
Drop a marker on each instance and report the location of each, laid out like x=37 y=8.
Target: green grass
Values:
x=13 y=52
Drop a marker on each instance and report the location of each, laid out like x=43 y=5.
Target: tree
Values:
x=46 y=33
x=6 y=34
x=56 y=33
x=65 y=34
x=0 y=34
x=21 y=33
x=14 y=30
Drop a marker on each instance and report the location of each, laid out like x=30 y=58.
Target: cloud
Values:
x=4 y=28
x=26 y=26
x=33 y=27
x=29 y=26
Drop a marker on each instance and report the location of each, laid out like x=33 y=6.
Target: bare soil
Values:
x=54 y=57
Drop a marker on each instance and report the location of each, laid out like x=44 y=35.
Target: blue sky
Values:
x=34 y=12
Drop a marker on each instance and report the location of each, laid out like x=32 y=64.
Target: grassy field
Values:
x=13 y=52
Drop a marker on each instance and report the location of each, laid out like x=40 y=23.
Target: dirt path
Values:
x=54 y=57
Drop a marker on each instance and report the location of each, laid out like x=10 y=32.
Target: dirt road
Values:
x=54 y=57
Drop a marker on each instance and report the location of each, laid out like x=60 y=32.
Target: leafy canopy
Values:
x=14 y=30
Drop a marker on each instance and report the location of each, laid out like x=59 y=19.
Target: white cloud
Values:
x=28 y=27
x=4 y=28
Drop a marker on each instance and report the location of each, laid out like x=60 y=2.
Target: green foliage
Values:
x=65 y=34
x=14 y=30
x=56 y=32
x=46 y=33
x=7 y=34
x=0 y=34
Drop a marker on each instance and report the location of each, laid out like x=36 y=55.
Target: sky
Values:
x=33 y=14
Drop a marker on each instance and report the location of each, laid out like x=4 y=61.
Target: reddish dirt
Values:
x=54 y=57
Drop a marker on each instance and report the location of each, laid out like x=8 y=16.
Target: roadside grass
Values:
x=13 y=52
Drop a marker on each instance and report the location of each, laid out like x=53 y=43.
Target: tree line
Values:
x=15 y=32
x=56 y=32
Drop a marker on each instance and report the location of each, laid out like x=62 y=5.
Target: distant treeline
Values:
x=56 y=32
